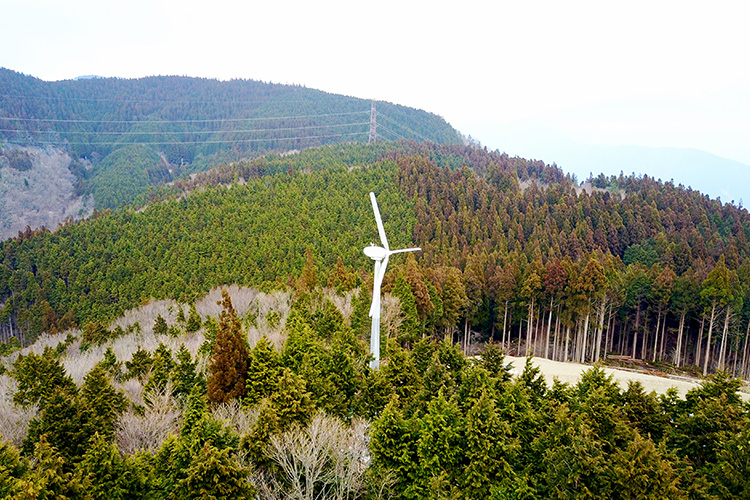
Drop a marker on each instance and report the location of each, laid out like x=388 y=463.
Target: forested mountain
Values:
x=267 y=392
x=126 y=135
x=631 y=266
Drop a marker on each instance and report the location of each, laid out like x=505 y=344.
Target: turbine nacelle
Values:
x=376 y=253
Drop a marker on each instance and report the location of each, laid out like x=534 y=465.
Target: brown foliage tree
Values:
x=228 y=366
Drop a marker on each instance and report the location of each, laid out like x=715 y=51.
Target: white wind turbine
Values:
x=380 y=255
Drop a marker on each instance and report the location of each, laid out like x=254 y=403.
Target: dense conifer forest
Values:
x=210 y=339
x=124 y=135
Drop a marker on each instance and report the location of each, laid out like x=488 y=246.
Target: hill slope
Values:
x=511 y=251
x=142 y=132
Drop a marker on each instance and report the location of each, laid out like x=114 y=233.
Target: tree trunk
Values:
x=600 y=329
x=555 y=355
x=708 y=342
x=700 y=341
x=724 y=335
x=656 y=336
x=610 y=337
x=585 y=334
x=530 y=327
x=635 y=330
x=663 y=336
x=567 y=341
x=744 y=351
x=677 y=351
x=549 y=329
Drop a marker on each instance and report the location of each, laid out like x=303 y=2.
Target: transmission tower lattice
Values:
x=373 y=125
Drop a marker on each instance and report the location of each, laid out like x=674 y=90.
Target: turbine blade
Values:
x=406 y=250
x=375 y=289
x=379 y=220
x=378 y=282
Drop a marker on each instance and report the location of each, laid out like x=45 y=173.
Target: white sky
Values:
x=650 y=73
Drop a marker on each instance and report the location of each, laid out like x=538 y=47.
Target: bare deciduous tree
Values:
x=324 y=460
x=147 y=432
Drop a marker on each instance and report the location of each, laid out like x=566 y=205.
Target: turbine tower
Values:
x=380 y=255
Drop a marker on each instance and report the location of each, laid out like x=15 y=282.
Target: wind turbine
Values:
x=380 y=255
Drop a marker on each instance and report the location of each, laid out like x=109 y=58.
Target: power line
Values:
x=175 y=143
x=181 y=132
x=209 y=120
x=405 y=127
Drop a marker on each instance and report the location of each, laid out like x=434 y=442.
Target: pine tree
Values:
x=185 y=374
x=488 y=446
x=262 y=372
x=39 y=376
x=140 y=363
x=48 y=478
x=102 y=473
x=160 y=326
x=291 y=401
x=194 y=321
x=161 y=372
x=227 y=370
x=214 y=475
x=102 y=403
x=12 y=469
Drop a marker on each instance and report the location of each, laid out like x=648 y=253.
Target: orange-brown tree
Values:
x=228 y=366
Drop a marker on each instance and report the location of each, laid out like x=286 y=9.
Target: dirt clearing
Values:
x=571 y=374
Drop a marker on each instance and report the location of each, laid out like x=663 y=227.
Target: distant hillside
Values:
x=143 y=132
x=706 y=172
x=511 y=250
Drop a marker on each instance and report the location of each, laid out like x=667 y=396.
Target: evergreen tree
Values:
x=488 y=445
x=160 y=326
x=140 y=363
x=49 y=477
x=39 y=376
x=101 y=402
x=12 y=469
x=263 y=370
x=185 y=374
x=291 y=401
x=228 y=366
x=194 y=321
x=161 y=373
x=102 y=473
x=214 y=475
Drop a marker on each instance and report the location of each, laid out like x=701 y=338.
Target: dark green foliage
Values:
x=69 y=418
x=254 y=444
x=111 y=365
x=96 y=333
x=49 y=477
x=194 y=321
x=493 y=360
x=140 y=363
x=292 y=403
x=103 y=402
x=263 y=370
x=185 y=375
x=103 y=473
x=160 y=325
x=39 y=376
x=644 y=412
x=643 y=471
x=533 y=380
x=162 y=371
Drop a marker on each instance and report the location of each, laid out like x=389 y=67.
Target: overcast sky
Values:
x=648 y=73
